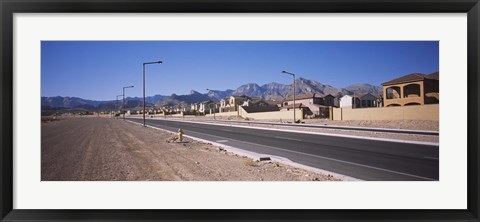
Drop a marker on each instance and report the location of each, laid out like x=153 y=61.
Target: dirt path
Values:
x=108 y=149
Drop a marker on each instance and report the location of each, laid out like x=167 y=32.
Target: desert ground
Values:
x=106 y=149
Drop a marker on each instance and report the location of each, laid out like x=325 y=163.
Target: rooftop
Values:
x=413 y=77
x=308 y=96
x=256 y=109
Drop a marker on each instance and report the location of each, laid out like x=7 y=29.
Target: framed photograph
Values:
x=230 y=110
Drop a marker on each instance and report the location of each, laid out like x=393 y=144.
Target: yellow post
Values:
x=180 y=135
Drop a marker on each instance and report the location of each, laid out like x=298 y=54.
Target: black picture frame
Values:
x=9 y=7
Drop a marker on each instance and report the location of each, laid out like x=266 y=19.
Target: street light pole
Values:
x=182 y=106
x=146 y=63
x=293 y=75
x=123 y=103
x=354 y=100
x=116 y=106
x=211 y=107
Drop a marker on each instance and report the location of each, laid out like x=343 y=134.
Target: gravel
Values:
x=103 y=149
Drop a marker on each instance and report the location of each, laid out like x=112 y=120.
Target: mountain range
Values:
x=270 y=91
x=58 y=102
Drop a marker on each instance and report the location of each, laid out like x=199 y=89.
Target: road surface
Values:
x=359 y=158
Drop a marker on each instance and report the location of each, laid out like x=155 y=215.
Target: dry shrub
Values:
x=249 y=162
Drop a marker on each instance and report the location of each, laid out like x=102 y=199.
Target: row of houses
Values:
x=411 y=89
x=312 y=104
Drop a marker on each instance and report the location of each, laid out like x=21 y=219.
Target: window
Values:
x=393 y=92
x=412 y=90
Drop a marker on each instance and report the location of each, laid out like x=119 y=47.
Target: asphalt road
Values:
x=359 y=158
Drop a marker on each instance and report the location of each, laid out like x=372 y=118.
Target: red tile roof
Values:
x=308 y=96
x=413 y=77
x=434 y=75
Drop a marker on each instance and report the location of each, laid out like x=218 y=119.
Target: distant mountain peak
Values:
x=302 y=79
x=193 y=92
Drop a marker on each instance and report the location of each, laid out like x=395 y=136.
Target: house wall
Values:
x=223 y=114
x=303 y=101
x=328 y=101
x=277 y=115
x=364 y=101
x=404 y=99
x=346 y=101
x=431 y=91
x=425 y=112
x=336 y=102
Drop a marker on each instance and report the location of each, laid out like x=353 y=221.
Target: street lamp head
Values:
x=289 y=73
x=156 y=62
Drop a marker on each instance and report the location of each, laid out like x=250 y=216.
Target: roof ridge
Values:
x=406 y=78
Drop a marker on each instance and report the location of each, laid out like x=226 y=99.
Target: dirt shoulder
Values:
x=103 y=149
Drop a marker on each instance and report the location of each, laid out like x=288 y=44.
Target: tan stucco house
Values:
x=319 y=105
x=361 y=101
x=232 y=103
x=412 y=89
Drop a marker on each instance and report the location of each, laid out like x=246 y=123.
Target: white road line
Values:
x=314 y=133
x=328 y=158
x=429 y=157
x=221 y=141
x=286 y=138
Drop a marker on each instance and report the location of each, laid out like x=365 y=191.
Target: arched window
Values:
x=393 y=92
x=411 y=90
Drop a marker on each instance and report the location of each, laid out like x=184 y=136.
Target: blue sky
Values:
x=98 y=70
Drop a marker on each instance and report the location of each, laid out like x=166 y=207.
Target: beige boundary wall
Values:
x=420 y=112
x=223 y=114
x=276 y=115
